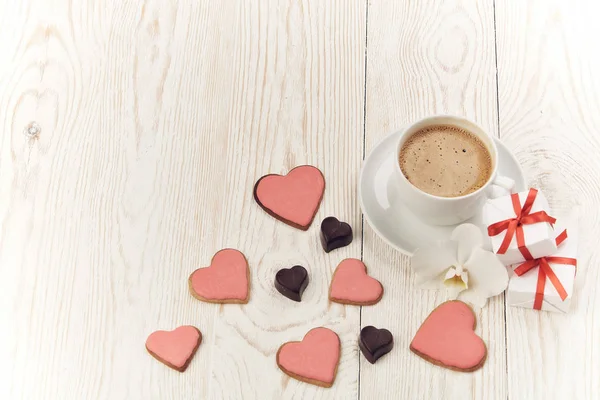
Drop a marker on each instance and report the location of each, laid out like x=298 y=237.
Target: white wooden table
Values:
x=157 y=117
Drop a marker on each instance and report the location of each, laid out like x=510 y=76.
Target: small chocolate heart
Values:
x=291 y=282
x=335 y=234
x=375 y=343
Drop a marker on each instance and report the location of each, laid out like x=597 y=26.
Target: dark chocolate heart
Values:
x=374 y=342
x=335 y=234
x=291 y=282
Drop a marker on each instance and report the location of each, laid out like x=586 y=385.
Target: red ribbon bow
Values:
x=514 y=226
x=546 y=271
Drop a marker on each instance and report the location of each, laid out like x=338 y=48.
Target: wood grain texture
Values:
x=298 y=98
x=548 y=65
x=156 y=120
x=426 y=58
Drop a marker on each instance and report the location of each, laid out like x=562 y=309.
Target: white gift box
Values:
x=539 y=237
x=521 y=290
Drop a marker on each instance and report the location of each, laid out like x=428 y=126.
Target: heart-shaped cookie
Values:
x=335 y=234
x=447 y=338
x=291 y=282
x=226 y=280
x=351 y=284
x=314 y=359
x=293 y=198
x=375 y=343
x=174 y=348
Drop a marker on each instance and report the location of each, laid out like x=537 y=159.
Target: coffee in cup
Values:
x=445 y=161
x=459 y=191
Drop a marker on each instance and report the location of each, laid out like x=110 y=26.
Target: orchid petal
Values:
x=465 y=278
x=473 y=297
x=436 y=283
x=487 y=275
x=431 y=263
x=469 y=238
x=454 y=282
x=451 y=273
x=454 y=290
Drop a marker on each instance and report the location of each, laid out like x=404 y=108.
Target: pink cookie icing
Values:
x=315 y=357
x=174 y=347
x=225 y=279
x=294 y=197
x=447 y=336
x=351 y=282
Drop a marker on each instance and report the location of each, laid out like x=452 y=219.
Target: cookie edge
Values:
x=278 y=217
x=308 y=380
x=223 y=301
x=187 y=362
x=354 y=303
x=440 y=364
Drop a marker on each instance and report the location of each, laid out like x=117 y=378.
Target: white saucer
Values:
x=397 y=225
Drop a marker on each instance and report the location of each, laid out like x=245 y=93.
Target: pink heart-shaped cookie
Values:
x=174 y=348
x=293 y=198
x=314 y=359
x=226 y=280
x=351 y=284
x=447 y=338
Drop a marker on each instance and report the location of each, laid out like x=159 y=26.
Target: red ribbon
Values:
x=546 y=271
x=514 y=226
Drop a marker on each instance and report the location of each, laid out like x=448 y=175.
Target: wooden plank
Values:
x=156 y=120
x=298 y=99
x=549 y=116
x=424 y=58
x=109 y=209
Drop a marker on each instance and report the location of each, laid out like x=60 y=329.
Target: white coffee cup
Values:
x=437 y=210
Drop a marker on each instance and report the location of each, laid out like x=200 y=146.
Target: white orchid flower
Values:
x=461 y=266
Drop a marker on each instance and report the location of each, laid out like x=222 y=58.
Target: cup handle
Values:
x=501 y=186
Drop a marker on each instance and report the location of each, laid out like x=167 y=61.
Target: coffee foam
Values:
x=445 y=161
